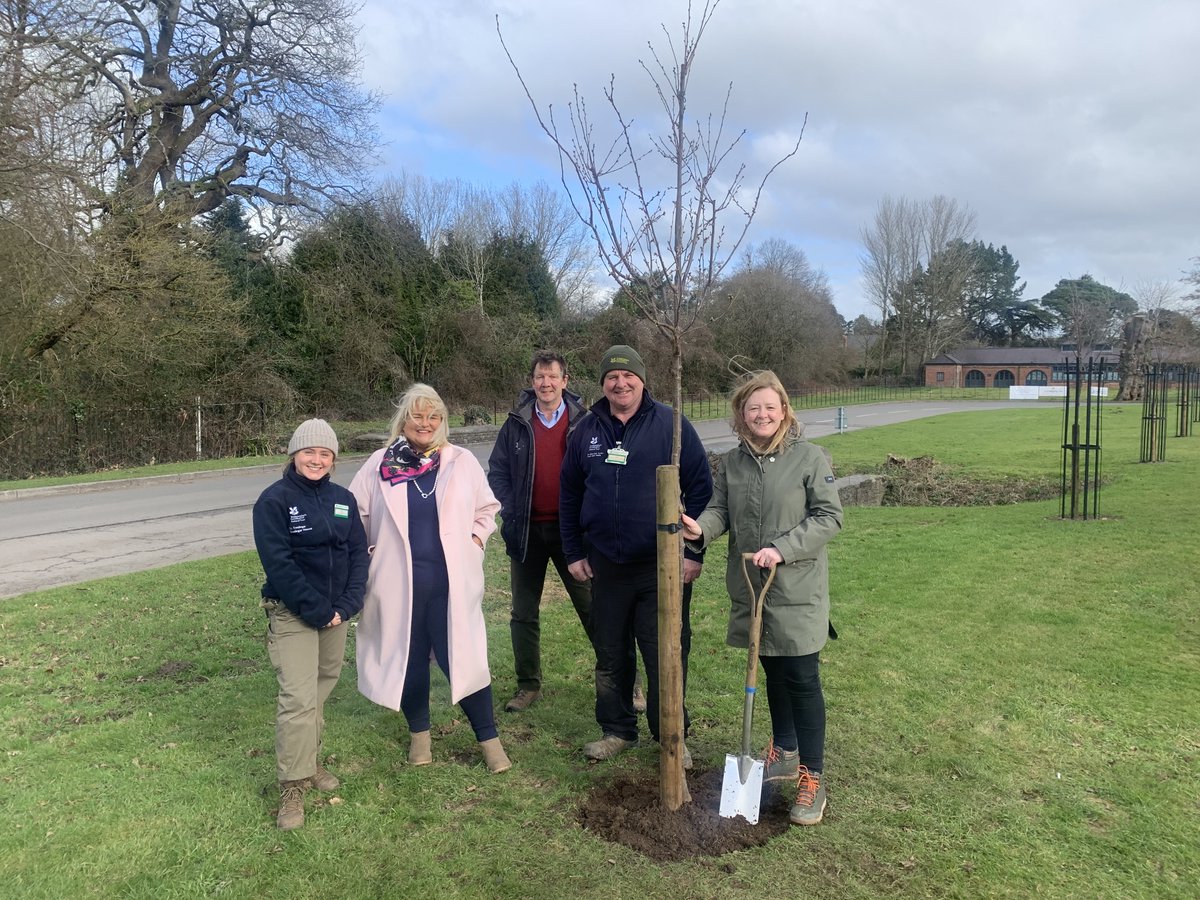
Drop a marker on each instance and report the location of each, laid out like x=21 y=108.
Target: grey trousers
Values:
x=307 y=664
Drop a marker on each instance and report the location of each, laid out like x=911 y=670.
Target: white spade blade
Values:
x=738 y=799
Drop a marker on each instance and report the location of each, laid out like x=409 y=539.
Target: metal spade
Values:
x=741 y=790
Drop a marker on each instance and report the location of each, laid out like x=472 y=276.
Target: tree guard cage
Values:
x=1081 y=440
x=1185 y=402
x=1154 y=414
x=1194 y=393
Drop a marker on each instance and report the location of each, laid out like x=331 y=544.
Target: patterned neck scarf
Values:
x=401 y=463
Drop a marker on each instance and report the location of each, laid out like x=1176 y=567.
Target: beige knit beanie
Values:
x=313 y=433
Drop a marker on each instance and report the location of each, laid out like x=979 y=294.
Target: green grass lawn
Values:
x=1013 y=711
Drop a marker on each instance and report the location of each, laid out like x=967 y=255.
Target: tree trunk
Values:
x=1135 y=356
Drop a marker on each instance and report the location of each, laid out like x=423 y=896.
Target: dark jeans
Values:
x=624 y=620
x=430 y=632
x=528 y=578
x=797 y=706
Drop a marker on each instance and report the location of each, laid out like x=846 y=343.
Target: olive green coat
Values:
x=786 y=500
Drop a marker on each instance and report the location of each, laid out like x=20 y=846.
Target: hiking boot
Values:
x=522 y=700
x=324 y=780
x=495 y=757
x=810 y=799
x=608 y=747
x=420 y=749
x=639 y=699
x=291 y=804
x=780 y=765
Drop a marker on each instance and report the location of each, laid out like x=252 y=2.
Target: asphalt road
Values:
x=68 y=534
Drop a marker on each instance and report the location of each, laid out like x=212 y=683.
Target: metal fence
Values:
x=60 y=441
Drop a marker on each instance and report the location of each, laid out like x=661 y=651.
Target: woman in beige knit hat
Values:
x=313 y=550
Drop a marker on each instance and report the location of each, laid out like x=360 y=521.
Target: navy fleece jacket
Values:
x=611 y=507
x=313 y=548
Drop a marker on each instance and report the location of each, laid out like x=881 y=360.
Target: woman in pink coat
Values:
x=427 y=510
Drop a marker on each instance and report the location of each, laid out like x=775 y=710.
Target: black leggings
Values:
x=797 y=706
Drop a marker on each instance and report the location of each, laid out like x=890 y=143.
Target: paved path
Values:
x=72 y=533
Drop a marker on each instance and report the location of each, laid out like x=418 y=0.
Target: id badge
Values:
x=618 y=456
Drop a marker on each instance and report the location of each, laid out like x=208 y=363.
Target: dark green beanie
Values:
x=620 y=357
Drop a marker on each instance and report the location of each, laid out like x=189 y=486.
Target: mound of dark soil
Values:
x=626 y=811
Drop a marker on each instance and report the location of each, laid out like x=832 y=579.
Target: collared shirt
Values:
x=552 y=419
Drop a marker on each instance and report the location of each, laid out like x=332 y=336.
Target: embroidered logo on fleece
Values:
x=299 y=521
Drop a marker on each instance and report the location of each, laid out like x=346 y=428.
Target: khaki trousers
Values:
x=307 y=664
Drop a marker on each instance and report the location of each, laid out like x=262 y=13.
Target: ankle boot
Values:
x=495 y=757
x=420 y=752
x=291 y=804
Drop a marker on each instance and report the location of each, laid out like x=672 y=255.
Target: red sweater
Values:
x=549 y=447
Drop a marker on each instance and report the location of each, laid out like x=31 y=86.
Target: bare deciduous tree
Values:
x=467 y=249
x=776 y=312
x=1191 y=280
x=901 y=244
x=546 y=217
x=131 y=118
x=1147 y=336
x=462 y=219
x=193 y=102
x=657 y=211
x=431 y=205
x=675 y=234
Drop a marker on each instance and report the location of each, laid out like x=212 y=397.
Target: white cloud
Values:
x=1070 y=127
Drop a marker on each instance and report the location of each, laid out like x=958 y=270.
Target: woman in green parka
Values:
x=775 y=495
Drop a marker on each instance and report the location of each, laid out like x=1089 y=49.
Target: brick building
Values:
x=1004 y=367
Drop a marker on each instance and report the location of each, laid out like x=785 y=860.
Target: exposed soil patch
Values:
x=172 y=669
x=626 y=811
x=923 y=481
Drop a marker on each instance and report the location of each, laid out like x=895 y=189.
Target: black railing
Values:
x=58 y=441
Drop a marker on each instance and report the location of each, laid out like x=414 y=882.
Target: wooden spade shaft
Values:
x=757 y=598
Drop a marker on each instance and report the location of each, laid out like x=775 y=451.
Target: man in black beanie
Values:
x=607 y=516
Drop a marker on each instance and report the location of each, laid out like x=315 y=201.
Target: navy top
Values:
x=610 y=507
x=430 y=578
x=313 y=548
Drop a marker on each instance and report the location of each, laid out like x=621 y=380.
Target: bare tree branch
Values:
x=665 y=247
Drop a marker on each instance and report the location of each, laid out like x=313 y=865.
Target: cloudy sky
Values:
x=1070 y=127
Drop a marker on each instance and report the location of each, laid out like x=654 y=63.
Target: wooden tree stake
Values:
x=673 y=789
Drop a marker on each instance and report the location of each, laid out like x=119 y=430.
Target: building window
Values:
x=1106 y=371
x=975 y=378
x=1036 y=377
x=1003 y=379
x=941 y=376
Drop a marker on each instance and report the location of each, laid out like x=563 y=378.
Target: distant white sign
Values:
x=1031 y=392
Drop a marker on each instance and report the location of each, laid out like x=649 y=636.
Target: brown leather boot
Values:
x=420 y=749
x=291 y=804
x=495 y=757
x=325 y=780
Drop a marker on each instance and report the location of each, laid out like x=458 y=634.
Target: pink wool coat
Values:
x=466 y=507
